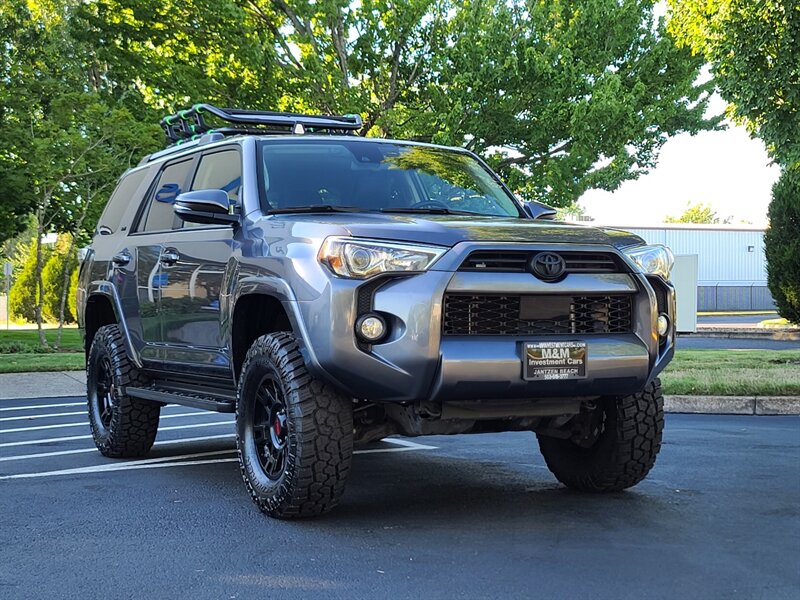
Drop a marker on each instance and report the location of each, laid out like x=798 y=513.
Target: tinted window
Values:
x=220 y=171
x=160 y=214
x=120 y=200
x=378 y=176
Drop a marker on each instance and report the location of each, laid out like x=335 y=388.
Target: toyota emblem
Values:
x=548 y=266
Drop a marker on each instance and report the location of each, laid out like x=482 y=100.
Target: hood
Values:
x=448 y=230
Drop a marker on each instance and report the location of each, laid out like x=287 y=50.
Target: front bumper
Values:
x=418 y=363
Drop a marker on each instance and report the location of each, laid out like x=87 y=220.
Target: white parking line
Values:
x=65 y=414
x=88 y=437
x=83 y=423
x=172 y=461
x=407 y=443
x=119 y=466
x=93 y=449
x=127 y=467
x=6 y=409
x=63 y=405
x=47 y=416
x=403 y=448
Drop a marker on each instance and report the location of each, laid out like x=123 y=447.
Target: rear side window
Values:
x=120 y=200
x=159 y=215
x=220 y=171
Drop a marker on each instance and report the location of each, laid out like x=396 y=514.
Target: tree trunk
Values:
x=65 y=273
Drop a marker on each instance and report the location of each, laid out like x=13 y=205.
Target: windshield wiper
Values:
x=433 y=211
x=313 y=208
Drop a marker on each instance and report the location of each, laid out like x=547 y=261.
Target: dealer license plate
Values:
x=554 y=360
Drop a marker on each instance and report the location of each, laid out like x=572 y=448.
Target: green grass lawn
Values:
x=734 y=373
x=27 y=340
x=55 y=361
x=20 y=351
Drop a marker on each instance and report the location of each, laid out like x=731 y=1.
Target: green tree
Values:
x=17 y=198
x=62 y=258
x=565 y=96
x=72 y=294
x=753 y=47
x=24 y=291
x=697 y=213
x=154 y=56
x=70 y=143
x=371 y=57
x=782 y=245
x=560 y=96
x=755 y=57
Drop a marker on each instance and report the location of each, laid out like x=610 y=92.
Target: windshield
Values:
x=377 y=176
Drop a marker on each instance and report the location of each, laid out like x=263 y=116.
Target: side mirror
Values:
x=205 y=206
x=537 y=210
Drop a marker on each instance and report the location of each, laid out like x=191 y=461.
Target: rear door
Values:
x=193 y=264
x=111 y=259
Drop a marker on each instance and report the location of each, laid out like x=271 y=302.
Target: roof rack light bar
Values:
x=190 y=124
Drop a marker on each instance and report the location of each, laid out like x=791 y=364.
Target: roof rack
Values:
x=191 y=123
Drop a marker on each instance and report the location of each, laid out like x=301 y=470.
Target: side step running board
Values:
x=215 y=403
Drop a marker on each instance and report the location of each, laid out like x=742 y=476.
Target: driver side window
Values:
x=219 y=171
x=160 y=215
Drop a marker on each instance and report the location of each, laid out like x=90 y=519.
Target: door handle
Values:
x=170 y=256
x=121 y=259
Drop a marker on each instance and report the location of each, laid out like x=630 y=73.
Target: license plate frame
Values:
x=554 y=361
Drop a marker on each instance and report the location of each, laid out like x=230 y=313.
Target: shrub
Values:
x=53 y=279
x=24 y=291
x=782 y=244
x=72 y=299
x=22 y=297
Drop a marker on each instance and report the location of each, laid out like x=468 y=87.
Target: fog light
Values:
x=662 y=325
x=371 y=328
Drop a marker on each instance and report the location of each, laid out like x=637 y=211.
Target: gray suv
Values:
x=332 y=290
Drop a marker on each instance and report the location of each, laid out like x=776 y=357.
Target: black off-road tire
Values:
x=317 y=446
x=623 y=453
x=122 y=426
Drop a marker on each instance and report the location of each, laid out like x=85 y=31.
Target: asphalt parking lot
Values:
x=438 y=517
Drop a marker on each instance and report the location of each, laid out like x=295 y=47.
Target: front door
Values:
x=193 y=266
x=193 y=272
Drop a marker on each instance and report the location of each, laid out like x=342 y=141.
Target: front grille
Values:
x=535 y=315
x=517 y=261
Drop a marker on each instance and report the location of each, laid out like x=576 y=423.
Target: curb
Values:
x=743 y=334
x=733 y=405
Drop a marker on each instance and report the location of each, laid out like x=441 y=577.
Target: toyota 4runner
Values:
x=333 y=290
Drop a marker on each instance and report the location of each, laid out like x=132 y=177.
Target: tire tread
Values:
x=634 y=447
x=323 y=426
x=134 y=424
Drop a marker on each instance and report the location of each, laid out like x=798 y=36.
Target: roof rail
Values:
x=191 y=123
x=200 y=140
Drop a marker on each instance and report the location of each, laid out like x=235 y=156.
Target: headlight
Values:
x=652 y=260
x=361 y=259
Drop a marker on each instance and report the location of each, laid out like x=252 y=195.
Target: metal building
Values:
x=732 y=268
